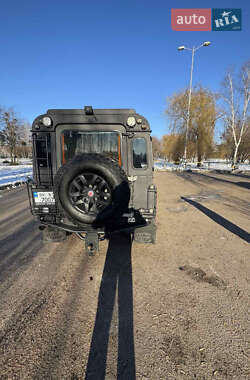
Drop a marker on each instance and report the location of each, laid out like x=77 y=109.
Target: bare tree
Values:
x=23 y=150
x=228 y=143
x=236 y=96
x=2 y=138
x=202 y=118
x=10 y=126
x=157 y=147
x=24 y=133
x=173 y=147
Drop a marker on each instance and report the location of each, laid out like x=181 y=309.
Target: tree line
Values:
x=15 y=137
x=229 y=108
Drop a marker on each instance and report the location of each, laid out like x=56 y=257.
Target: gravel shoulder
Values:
x=174 y=310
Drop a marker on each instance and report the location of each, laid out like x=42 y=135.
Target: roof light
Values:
x=88 y=110
x=47 y=122
x=131 y=121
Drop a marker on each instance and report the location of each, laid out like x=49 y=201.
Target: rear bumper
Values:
x=54 y=218
x=107 y=229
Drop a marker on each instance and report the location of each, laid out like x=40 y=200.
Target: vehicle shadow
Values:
x=245 y=185
x=117 y=275
x=246 y=176
x=220 y=220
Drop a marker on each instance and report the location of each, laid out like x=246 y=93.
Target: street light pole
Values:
x=206 y=43
x=189 y=102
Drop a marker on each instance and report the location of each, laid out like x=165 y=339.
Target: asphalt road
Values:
x=178 y=309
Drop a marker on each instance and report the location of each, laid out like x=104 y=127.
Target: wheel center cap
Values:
x=91 y=193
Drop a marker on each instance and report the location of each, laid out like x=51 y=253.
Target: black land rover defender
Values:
x=93 y=175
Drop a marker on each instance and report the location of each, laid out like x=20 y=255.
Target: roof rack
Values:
x=97 y=111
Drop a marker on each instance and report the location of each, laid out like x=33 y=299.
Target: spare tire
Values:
x=92 y=188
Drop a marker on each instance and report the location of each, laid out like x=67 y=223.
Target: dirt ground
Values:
x=174 y=310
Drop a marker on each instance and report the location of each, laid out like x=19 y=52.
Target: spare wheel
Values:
x=92 y=188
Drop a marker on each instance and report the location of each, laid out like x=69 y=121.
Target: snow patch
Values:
x=13 y=175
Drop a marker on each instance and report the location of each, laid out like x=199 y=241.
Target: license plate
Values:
x=44 y=197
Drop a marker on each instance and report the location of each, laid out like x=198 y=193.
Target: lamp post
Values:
x=193 y=50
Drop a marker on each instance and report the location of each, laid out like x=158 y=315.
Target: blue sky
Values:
x=108 y=54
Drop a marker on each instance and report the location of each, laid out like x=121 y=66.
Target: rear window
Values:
x=77 y=142
x=140 y=153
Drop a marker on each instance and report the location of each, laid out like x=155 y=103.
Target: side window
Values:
x=140 y=153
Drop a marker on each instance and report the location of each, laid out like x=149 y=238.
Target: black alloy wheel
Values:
x=91 y=189
x=89 y=193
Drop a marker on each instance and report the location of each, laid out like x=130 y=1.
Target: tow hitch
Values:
x=91 y=243
x=91 y=239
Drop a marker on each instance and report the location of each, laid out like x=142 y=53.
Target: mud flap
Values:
x=146 y=234
x=53 y=235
